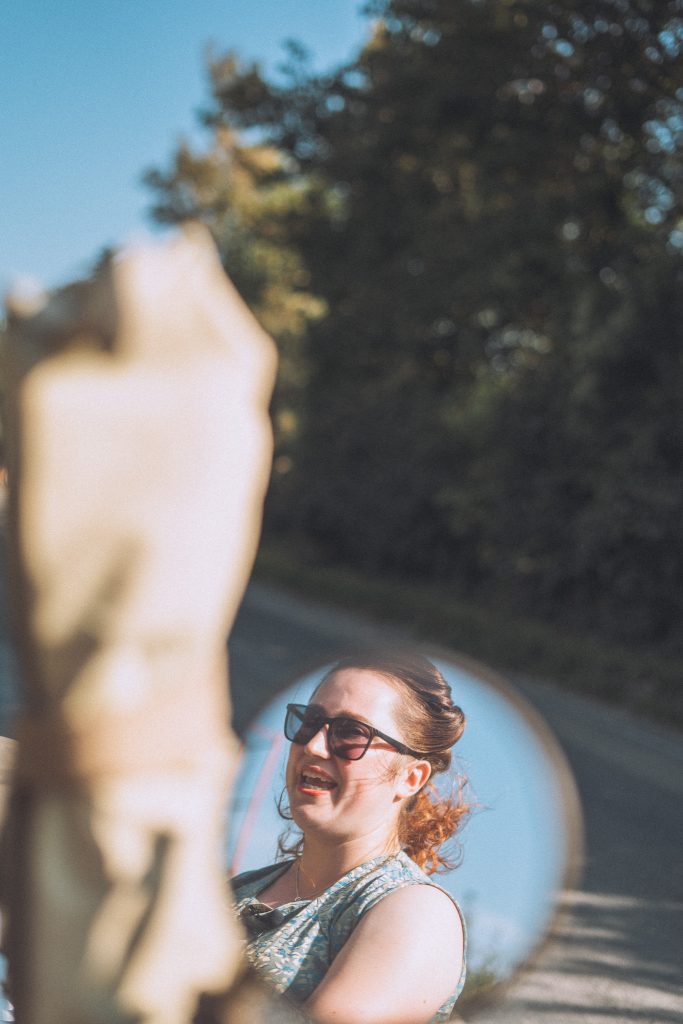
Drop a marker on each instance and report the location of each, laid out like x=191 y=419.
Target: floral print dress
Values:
x=293 y=945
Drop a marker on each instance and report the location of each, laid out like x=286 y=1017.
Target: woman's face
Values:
x=343 y=800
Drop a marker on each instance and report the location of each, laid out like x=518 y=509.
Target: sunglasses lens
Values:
x=349 y=739
x=300 y=724
x=346 y=737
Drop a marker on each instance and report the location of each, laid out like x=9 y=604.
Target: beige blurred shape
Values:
x=139 y=454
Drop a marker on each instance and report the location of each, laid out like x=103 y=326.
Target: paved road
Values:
x=618 y=954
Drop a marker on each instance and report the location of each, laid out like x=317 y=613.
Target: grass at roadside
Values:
x=644 y=682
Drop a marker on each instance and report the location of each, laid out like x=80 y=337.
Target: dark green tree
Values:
x=488 y=203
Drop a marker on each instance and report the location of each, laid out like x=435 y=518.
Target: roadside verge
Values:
x=644 y=682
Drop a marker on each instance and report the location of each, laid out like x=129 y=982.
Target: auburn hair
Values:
x=431 y=724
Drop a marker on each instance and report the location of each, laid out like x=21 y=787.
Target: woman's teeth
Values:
x=316 y=781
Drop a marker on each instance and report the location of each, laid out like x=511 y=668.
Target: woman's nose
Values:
x=318 y=744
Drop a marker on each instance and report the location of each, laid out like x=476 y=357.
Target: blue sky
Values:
x=93 y=92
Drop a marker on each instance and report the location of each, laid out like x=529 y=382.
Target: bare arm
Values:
x=402 y=961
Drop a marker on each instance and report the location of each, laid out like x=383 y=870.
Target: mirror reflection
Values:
x=518 y=847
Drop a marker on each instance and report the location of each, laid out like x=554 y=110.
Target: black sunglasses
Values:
x=346 y=737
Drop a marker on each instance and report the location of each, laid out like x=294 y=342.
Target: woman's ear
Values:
x=413 y=778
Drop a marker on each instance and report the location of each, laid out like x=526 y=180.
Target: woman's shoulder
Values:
x=380 y=880
x=385 y=875
x=399 y=916
x=426 y=904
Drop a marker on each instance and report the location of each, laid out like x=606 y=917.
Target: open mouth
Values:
x=310 y=779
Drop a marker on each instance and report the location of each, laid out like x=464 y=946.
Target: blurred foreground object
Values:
x=139 y=453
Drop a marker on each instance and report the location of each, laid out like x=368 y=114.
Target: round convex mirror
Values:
x=518 y=849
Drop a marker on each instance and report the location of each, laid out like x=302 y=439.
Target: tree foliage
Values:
x=246 y=198
x=482 y=217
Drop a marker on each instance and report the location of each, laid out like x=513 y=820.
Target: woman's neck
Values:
x=322 y=862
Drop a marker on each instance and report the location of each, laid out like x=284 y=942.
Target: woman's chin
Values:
x=308 y=814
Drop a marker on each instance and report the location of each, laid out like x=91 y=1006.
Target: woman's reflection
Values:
x=354 y=900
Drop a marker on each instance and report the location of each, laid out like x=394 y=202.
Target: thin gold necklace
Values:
x=297 y=873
